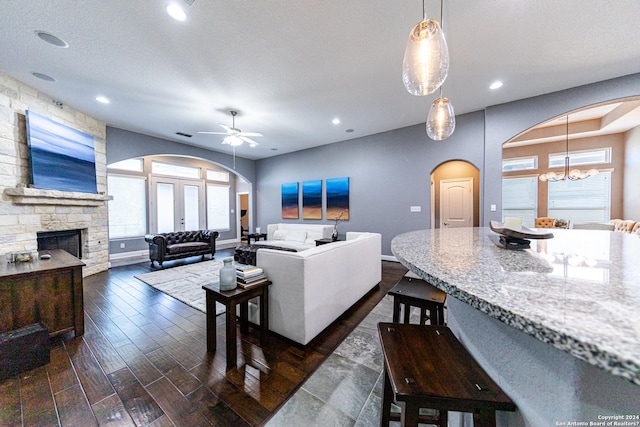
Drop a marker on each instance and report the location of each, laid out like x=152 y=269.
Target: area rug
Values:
x=185 y=282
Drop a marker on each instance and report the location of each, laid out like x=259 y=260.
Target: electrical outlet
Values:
x=121 y=245
x=416 y=208
x=493 y=208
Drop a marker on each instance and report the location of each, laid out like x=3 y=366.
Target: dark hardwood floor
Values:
x=143 y=361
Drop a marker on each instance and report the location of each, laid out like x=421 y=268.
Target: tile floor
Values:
x=347 y=389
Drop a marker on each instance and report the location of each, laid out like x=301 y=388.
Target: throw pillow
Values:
x=279 y=235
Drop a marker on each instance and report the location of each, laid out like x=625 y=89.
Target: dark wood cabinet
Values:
x=44 y=290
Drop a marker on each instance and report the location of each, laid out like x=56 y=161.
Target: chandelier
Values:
x=568 y=174
x=426 y=58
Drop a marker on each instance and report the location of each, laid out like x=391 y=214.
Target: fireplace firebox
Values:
x=68 y=240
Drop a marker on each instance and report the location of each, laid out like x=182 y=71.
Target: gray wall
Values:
x=507 y=120
x=389 y=172
x=122 y=145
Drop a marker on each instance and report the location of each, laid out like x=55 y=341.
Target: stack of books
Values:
x=249 y=275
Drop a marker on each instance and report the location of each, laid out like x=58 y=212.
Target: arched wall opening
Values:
x=125 y=249
x=611 y=128
x=451 y=170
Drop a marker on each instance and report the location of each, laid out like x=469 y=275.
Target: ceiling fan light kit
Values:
x=235 y=136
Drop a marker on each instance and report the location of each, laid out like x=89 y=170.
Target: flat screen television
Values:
x=61 y=158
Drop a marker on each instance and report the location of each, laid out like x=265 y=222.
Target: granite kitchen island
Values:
x=556 y=325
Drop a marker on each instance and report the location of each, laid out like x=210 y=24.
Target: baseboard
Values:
x=225 y=244
x=127 y=258
x=389 y=258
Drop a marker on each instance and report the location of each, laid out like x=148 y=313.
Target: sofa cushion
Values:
x=297 y=236
x=180 y=248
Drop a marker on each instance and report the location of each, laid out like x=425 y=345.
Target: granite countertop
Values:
x=579 y=291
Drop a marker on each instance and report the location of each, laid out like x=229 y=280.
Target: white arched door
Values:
x=456 y=202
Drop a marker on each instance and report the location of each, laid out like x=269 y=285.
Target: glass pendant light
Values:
x=441 y=121
x=426 y=57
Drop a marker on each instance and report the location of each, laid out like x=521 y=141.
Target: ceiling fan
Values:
x=235 y=136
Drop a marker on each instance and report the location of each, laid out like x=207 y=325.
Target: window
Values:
x=520 y=199
x=133 y=165
x=128 y=209
x=175 y=170
x=577 y=158
x=214 y=175
x=218 y=207
x=587 y=200
x=520 y=164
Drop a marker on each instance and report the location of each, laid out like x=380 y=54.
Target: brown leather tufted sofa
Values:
x=181 y=244
x=625 y=226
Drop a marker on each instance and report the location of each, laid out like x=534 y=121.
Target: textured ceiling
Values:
x=290 y=67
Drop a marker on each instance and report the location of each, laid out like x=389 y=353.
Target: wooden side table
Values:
x=427 y=367
x=44 y=290
x=256 y=237
x=230 y=299
x=324 y=241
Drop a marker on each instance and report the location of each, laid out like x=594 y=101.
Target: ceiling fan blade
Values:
x=250 y=134
x=215 y=133
x=227 y=128
x=249 y=141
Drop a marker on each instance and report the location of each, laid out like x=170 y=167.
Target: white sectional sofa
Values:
x=313 y=287
x=296 y=236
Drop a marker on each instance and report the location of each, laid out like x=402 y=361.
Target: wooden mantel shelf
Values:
x=35 y=196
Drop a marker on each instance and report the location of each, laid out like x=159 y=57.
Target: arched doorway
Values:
x=455 y=195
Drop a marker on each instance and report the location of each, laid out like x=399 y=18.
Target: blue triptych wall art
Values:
x=336 y=196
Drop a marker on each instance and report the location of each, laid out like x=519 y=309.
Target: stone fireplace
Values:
x=25 y=211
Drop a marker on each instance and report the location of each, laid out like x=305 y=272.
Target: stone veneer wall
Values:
x=24 y=211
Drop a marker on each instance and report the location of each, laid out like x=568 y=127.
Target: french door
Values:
x=176 y=205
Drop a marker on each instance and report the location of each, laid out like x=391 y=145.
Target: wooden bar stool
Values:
x=427 y=367
x=413 y=291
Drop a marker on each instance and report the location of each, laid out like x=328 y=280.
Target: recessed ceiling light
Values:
x=176 y=12
x=42 y=76
x=51 y=39
x=496 y=85
x=336 y=121
x=102 y=99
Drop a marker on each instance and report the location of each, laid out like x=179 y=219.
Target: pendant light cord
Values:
x=442 y=28
x=424 y=10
